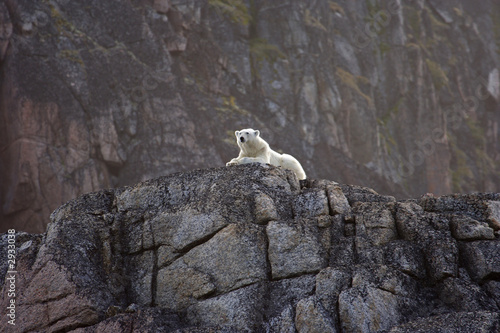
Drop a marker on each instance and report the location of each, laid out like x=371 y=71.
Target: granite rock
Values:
x=224 y=250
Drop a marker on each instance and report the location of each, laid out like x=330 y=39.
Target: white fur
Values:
x=253 y=149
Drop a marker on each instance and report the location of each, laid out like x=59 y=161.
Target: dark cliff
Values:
x=402 y=97
x=249 y=249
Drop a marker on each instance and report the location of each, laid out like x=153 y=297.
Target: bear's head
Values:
x=246 y=135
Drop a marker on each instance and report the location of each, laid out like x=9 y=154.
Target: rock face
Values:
x=250 y=249
x=400 y=96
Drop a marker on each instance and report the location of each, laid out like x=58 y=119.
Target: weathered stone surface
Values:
x=376 y=222
x=466 y=228
x=289 y=292
x=221 y=250
x=239 y=309
x=330 y=282
x=145 y=320
x=464 y=296
x=385 y=278
x=355 y=194
x=493 y=214
x=442 y=257
x=482 y=258
x=182 y=230
x=178 y=287
x=162 y=6
x=265 y=209
x=368 y=309
x=310 y=203
x=284 y=323
x=310 y=317
x=141 y=277
x=233 y=258
x=453 y=322
x=342 y=252
x=493 y=289
x=294 y=248
x=430 y=230
x=337 y=200
x=408 y=222
x=481 y=207
x=406 y=257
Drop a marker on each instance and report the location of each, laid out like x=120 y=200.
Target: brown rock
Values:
x=310 y=317
x=162 y=6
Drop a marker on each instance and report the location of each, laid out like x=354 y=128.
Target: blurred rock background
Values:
x=399 y=96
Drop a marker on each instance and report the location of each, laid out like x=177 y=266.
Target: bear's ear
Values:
x=257 y=132
x=237 y=133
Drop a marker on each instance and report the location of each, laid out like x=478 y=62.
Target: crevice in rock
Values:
x=200 y=241
x=123 y=251
x=387 y=290
x=53 y=299
x=495 y=276
x=338 y=321
x=154 y=273
x=268 y=261
x=296 y=275
x=394 y=216
x=267 y=303
x=75 y=325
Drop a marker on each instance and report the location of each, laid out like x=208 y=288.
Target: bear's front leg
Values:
x=245 y=160
x=234 y=161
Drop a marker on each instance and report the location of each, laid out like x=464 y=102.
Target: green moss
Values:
x=484 y=162
x=235 y=10
x=386 y=139
x=336 y=8
x=453 y=61
x=61 y=23
x=261 y=49
x=312 y=21
x=439 y=77
x=384 y=48
x=229 y=106
x=495 y=19
x=460 y=171
x=470 y=162
x=229 y=138
x=477 y=133
x=436 y=24
x=413 y=19
x=72 y=55
x=353 y=82
x=376 y=18
x=384 y=120
x=411 y=45
x=458 y=12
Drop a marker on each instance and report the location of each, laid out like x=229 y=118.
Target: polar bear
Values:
x=253 y=149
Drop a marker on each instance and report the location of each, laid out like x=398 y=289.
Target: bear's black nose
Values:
x=242 y=139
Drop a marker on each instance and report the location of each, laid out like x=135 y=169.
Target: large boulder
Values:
x=249 y=249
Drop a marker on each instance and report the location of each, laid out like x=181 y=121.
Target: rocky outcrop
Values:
x=250 y=249
x=398 y=96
